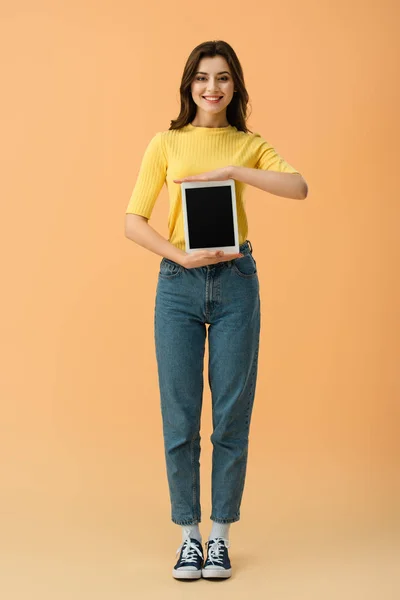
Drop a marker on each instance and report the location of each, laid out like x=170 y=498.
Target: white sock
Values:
x=192 y=531
x=219 y=530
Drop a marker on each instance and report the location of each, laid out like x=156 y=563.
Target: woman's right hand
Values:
x=202 y=258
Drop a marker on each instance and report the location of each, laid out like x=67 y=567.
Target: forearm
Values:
x=140 y=232
x=288 y=185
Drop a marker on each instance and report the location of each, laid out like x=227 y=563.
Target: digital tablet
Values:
x=209 y=215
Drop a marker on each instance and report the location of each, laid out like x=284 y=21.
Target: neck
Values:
x=202 y=122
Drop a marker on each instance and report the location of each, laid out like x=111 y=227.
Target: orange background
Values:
x=84 y=500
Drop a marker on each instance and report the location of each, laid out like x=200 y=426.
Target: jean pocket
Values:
x=169 y=269
x=245 y=266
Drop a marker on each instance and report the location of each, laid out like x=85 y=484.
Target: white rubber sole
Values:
x=179 y=574
x=223 y=573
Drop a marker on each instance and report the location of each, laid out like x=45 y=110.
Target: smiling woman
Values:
x=208 y=141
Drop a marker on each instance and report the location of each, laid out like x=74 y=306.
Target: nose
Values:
x=211 y=92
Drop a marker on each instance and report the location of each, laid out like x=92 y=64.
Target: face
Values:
x=215 y=79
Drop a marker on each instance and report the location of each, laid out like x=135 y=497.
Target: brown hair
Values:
x=236 y=110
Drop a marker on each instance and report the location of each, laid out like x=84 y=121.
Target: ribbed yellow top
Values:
x=178 y=153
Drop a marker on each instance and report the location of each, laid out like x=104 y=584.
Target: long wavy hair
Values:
x=236 y=109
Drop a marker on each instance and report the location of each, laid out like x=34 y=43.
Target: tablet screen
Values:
x=210 y=216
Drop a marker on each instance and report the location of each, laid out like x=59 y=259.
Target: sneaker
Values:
x=217 y=563
x=190 y=560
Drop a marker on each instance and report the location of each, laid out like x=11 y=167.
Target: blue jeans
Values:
x=225 y=296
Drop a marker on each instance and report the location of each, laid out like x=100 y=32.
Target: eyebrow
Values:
x=204 y=73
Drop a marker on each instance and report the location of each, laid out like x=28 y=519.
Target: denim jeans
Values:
x=225 y=296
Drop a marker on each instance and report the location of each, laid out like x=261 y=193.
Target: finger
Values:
x=222 y=256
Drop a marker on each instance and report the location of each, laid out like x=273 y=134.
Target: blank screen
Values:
x=210 y=216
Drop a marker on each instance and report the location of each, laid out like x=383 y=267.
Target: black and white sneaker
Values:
x=217 y=563
x=190 y=560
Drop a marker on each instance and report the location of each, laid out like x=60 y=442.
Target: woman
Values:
x=208 y=141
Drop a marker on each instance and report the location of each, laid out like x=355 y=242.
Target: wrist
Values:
x=232 y=171
x=182 y=258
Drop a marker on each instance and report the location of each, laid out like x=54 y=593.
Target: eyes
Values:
x=224 y=78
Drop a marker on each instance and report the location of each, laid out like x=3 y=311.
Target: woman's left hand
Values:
x=216 y=175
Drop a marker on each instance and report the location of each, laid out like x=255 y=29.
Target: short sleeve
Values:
x=269 y=159
x=150 y=179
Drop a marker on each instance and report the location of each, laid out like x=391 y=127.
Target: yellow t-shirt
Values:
x=178 y=153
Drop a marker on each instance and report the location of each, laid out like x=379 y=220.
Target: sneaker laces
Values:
x=216 y=548
x=189 y=551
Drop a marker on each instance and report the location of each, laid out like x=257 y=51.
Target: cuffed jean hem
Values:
x=186 y=521
x=229 y=520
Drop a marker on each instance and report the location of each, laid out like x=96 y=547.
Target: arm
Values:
x=288 y=185
x=138 y=230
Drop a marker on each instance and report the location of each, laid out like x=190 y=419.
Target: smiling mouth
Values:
x=212 y=101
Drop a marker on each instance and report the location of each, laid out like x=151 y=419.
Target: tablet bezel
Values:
x=200 y=184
